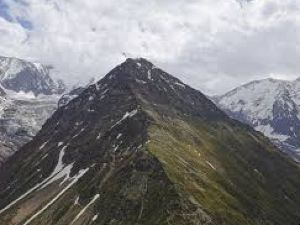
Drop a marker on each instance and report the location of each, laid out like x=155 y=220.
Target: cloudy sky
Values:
x=213 y=45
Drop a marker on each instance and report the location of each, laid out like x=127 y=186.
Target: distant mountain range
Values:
x=270 y=106
x=141 y=147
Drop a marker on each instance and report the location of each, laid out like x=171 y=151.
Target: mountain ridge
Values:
x=140 y=147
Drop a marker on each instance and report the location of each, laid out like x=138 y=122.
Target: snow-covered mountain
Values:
x=28 y=97
x=20 y=75
x=271 y=106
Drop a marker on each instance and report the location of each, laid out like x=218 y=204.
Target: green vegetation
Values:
x=236 y=175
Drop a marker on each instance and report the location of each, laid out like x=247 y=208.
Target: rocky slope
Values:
x=20 y=75
x=141 y=147
x=21 y=117
x=270 y=106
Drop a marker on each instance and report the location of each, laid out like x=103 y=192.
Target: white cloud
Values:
x=212 y=45
x=12 y=37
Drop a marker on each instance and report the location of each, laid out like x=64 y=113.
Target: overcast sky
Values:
x=213 y=45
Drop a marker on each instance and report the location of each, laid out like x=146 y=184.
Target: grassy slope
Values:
x=237 y=176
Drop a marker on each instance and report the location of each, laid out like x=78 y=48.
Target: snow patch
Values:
x=76 y=202
x=149 y=75
x=76 y=135
x=179 y=84
x=74 y=180
x=105 y=91
x=211 y=165
x=95 y=217
x=98 y=136
x=45 y=156
x=127 y=115
x=85 y=208
x=43 y=145
x=78 y=123
x=116 y=148
x=140 y=81
x=60 y=171
x=60 y=144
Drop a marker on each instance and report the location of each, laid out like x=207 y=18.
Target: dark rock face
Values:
x=141 y=147
x=19 y=75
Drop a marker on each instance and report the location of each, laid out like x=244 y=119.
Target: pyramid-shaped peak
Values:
x=142 y=71
x=150 y=85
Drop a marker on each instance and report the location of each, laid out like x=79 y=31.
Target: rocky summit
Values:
x=141 y=147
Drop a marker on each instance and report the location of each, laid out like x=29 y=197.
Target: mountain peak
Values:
x=156 y=87
x=156 y=153
x=133 y=68
x=20 y=75
x=141 y=71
